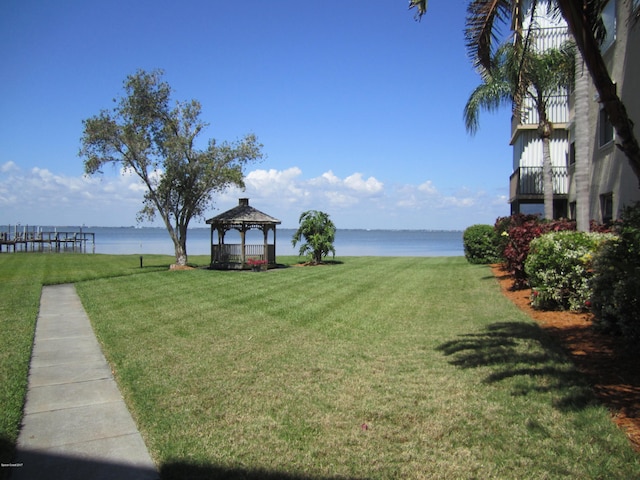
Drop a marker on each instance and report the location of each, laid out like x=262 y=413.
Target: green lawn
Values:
x=21 y=278
x=372 y=367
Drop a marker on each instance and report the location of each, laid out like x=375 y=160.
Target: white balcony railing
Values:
x=544 y=38
x=557 y=110
x=528 y=181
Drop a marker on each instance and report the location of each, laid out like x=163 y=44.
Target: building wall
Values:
x=610 y=170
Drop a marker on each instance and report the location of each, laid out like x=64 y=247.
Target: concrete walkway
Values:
x=76 y=424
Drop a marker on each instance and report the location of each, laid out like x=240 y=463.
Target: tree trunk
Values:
x=180 y=244
x=179 y=239
x=545 y=129
x=181 y=254
x=581 y=173
x=580 y=28
x=547 y=178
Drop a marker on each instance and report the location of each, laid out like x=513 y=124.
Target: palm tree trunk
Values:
x=581 y=138
x=579 y=27
x=547 y=177
x=545 y=129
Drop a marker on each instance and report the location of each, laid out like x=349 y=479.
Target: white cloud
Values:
x=338 y=199
x=357 y=183
x=42 y=197
x=428 y=187
x=270 y=182
x=9 y=167
x=327 y=179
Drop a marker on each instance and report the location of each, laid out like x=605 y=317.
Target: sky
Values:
x=358 y=106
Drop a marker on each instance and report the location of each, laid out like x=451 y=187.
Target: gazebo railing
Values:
x=232 y=253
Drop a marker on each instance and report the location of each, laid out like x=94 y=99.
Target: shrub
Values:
x=517 y=232
x=615 y=301
x=558 y=269
x=481 y=244
x=504 y=224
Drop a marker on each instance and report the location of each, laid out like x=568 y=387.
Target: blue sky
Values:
x=358 y=106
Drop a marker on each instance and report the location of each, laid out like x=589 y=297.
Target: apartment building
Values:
x=592 y=177
x=541 y=31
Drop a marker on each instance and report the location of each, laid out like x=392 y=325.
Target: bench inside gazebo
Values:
x=239 y=256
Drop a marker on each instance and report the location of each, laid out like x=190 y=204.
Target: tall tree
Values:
x=585 y=24
x=518 y=74
x=147 y=135
x=581 y=148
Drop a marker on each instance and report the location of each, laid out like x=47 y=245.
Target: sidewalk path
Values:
x=76 y=424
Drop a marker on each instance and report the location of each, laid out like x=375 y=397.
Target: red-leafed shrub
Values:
x=516 y=233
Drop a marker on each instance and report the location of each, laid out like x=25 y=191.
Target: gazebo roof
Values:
x=243 y=214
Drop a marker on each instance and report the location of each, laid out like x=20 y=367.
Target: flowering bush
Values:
x=559 y=269
x=516 y=233
x=481 y=244
x=256 y=262
x=615 y=302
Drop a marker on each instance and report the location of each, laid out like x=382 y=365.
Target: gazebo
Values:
x=237 y=256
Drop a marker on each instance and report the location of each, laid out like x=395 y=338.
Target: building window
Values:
x=606 y=208
x=609 y=21
x=605 y=128
x=572 y=154
x=572 y=210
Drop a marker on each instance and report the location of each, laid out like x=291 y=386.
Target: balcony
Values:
x=526 y=183
x=543 y=38
x=526 y=115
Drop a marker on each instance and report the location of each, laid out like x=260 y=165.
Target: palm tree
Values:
x=319 y=233
x=518 y=74
x=584 y=20
x=582 y=159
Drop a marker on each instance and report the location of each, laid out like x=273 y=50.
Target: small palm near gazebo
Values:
x=319 y=233
x=240 y=256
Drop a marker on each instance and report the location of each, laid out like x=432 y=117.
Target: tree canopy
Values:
x=147 y=134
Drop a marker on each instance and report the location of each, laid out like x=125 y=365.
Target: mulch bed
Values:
x=610 y=363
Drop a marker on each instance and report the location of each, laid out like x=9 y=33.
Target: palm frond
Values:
x=493 y=93
x=484 y=18
x=420 y=6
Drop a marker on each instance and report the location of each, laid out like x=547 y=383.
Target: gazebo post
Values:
x=265 y=235
x=275 y=255
x=211 y=262
x=243 y=258
x=221 y=233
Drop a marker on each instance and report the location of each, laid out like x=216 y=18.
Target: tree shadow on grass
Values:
x=183 y=470
x=513 y=350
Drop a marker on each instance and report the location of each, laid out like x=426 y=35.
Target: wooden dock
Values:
x=37 y=240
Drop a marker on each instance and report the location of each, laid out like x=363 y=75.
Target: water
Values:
x=413 y=243
x=416 y=243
